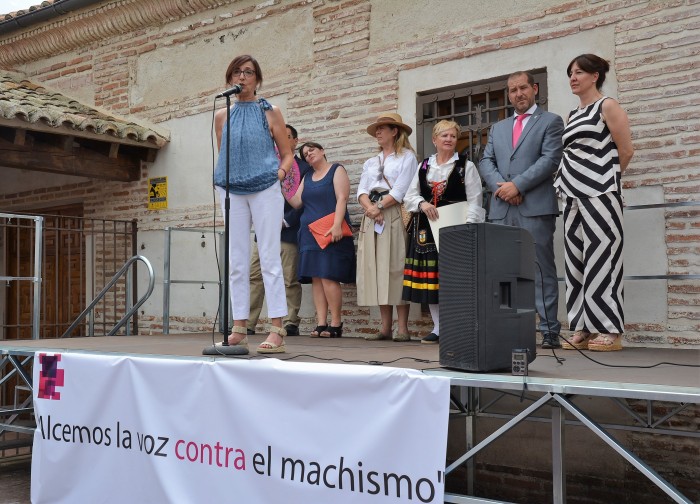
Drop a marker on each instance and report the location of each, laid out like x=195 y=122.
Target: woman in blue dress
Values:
x=253 y=131
x=325 y=190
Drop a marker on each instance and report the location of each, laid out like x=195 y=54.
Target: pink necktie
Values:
x=518 y=128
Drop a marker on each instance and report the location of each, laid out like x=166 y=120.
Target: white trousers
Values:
x=265 y=211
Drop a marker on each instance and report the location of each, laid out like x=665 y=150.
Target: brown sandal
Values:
x=237 y=330
x=268 y=347
x=606 y=343
x=578 y=341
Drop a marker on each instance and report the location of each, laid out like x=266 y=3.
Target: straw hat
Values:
x=388 y=119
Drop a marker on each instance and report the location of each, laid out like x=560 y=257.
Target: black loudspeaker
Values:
x=487 y=296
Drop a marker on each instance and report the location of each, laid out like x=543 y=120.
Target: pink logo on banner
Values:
x=50 y=377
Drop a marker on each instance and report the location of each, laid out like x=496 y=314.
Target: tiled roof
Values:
x=20 y=12
x=27 y=101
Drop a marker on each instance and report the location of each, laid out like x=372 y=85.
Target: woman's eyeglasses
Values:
x=246 y=73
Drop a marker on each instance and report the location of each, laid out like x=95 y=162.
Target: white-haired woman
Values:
x=442 y=179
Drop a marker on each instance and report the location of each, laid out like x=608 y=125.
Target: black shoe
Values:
x=550 y=340
x=292 y=330
x=431 y=339
x=250 y=331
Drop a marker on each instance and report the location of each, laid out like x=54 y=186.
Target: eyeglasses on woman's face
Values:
x=246 y=72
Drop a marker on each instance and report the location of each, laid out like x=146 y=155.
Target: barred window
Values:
x=475 y=106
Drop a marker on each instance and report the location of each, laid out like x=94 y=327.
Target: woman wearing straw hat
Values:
x=381 y=248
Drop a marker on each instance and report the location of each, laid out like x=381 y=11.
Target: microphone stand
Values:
x=225 y=348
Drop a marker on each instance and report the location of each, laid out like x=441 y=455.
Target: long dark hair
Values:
x=590 y=63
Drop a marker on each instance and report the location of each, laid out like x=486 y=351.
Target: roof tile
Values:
x=32 y=8
x=25 y=100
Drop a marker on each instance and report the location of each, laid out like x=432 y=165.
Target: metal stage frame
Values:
x=474 y=396
x=560 y=395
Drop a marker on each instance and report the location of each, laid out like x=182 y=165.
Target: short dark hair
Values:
x=309 y=144
x=590 y=63
x=530 y=77
x=293 y=130
x=240 y=60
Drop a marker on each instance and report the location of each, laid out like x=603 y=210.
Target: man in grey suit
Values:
x=520 y=159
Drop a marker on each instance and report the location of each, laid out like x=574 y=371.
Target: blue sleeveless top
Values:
x=254 y=162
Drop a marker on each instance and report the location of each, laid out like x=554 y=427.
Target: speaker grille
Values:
x=459 y=317
x=487 y=296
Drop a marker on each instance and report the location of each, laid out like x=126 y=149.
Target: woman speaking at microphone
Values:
x=254 y=129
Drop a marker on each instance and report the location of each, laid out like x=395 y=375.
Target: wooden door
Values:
x=20 y=263
x=63 y=274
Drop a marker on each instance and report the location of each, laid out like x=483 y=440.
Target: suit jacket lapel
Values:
x=509 y=132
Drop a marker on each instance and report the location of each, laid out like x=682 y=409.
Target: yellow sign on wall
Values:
x=157 y=193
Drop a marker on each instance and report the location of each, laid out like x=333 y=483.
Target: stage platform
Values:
x=563 y=381
x=630 y=366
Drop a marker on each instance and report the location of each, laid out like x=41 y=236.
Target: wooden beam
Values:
x=68 y=143
x=69 y=130
x=20 y=136
x=80 y=162
x=145 y=152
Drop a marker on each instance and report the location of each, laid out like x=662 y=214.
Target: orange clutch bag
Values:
x=321 y=226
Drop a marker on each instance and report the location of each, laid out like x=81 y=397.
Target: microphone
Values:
x=236 y=89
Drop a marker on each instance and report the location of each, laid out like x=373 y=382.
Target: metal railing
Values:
x=77 y=256
x=130 y=310
x=168 y=281
x=652 y=206
x=36 y=278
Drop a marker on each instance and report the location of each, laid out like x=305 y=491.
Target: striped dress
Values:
x=589 y=183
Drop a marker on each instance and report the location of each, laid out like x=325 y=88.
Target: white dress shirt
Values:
x=529 y=111
x=399 y=170
x=438 y=173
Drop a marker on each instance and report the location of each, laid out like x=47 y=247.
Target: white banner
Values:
x=114 y=429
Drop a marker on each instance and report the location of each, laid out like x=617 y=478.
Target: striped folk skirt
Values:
x=593 y=240
x=420 y=276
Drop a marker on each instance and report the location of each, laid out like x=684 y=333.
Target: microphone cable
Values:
x=212 y=137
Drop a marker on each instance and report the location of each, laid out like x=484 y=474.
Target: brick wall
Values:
x=343 y=87
x=348 y=81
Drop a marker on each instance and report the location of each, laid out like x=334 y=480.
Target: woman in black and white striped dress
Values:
x=597 y=149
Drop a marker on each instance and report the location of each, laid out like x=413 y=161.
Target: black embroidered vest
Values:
x=454 y=191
